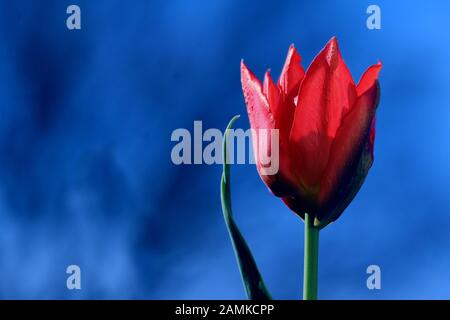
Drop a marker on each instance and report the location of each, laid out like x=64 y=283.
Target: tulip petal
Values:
x=257 y=104
x=283 y=112
x=326 y=95
x=349 y=189
x=350 y=156
x=260 y=117
x=292 y=73
x=368 y=78
x=272 y=93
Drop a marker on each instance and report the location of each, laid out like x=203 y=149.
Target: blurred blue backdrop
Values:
x=86 y=176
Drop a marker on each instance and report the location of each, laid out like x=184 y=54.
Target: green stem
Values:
x=311 y=259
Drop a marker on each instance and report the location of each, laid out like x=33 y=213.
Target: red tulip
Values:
x=326 y=129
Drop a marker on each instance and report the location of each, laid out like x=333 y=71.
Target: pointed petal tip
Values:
x=271 y=91
x=292 y=72
x=369 y=78
x=248 y=79
x=243 y=66
x=332 y=44
x=268 y=76
x=332 y=53
x=293 y=54
x=246 y=72
x=267 y=81
x=378 y=65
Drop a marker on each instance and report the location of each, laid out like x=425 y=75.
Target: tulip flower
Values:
x=326 y=126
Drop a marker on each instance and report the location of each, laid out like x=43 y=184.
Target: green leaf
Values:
x=251 y=277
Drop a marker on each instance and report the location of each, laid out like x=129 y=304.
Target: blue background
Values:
x=86 y=176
